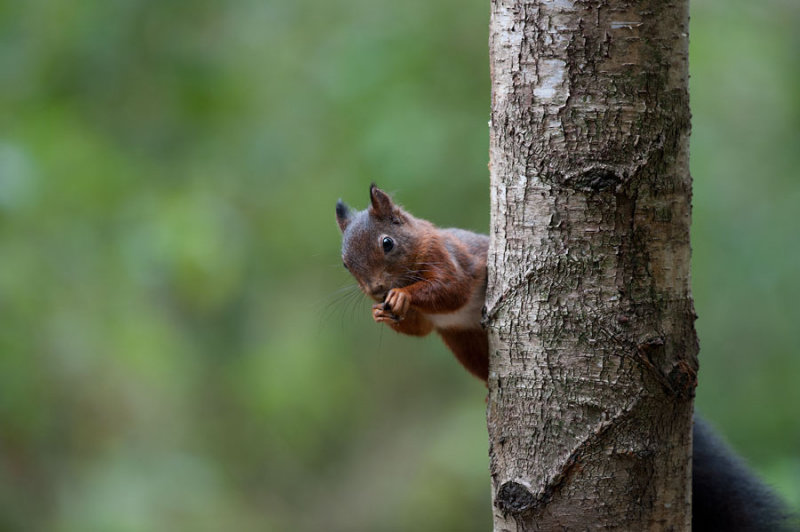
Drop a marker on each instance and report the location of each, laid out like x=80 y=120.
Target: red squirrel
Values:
x=423 y=278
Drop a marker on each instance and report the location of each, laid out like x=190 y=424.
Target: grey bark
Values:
x=589 y=310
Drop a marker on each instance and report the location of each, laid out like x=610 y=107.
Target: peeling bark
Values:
x=589 y=310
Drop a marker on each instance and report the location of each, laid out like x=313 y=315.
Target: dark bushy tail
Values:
x=726 y=495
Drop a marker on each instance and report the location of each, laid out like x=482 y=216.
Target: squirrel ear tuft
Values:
x=382 y=206
x=342 y=215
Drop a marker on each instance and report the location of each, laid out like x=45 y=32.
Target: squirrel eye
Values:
x=388 y=244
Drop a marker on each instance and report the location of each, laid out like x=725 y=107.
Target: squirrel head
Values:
x=379 y=244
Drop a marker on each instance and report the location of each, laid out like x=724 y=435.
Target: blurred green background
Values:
x=175 y=353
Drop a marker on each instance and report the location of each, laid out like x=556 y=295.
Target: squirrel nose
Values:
x=378 y=289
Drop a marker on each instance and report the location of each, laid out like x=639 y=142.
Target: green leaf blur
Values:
x=177 y=351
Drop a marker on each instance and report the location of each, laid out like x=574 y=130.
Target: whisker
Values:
x=339 y=300
x=353 y=305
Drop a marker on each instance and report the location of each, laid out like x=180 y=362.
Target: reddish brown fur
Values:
x=471 y=348
x=414 y=323
x=434 y=272
x=442 y=289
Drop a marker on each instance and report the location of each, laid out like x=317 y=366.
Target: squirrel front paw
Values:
x=382 y=315
x=397 y=302
x=393 y=309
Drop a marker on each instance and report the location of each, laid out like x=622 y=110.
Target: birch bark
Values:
x=589 y=310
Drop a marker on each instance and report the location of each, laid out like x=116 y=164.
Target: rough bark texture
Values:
x=590 y=316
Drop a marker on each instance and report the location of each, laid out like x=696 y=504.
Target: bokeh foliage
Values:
x=174 y=350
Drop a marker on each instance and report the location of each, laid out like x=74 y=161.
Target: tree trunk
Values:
x=591 y=322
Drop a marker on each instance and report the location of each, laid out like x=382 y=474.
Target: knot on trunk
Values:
x=514 y=498
x=595 y=178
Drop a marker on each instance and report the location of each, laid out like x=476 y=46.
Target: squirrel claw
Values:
x=397 y=302
x=382 y=315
